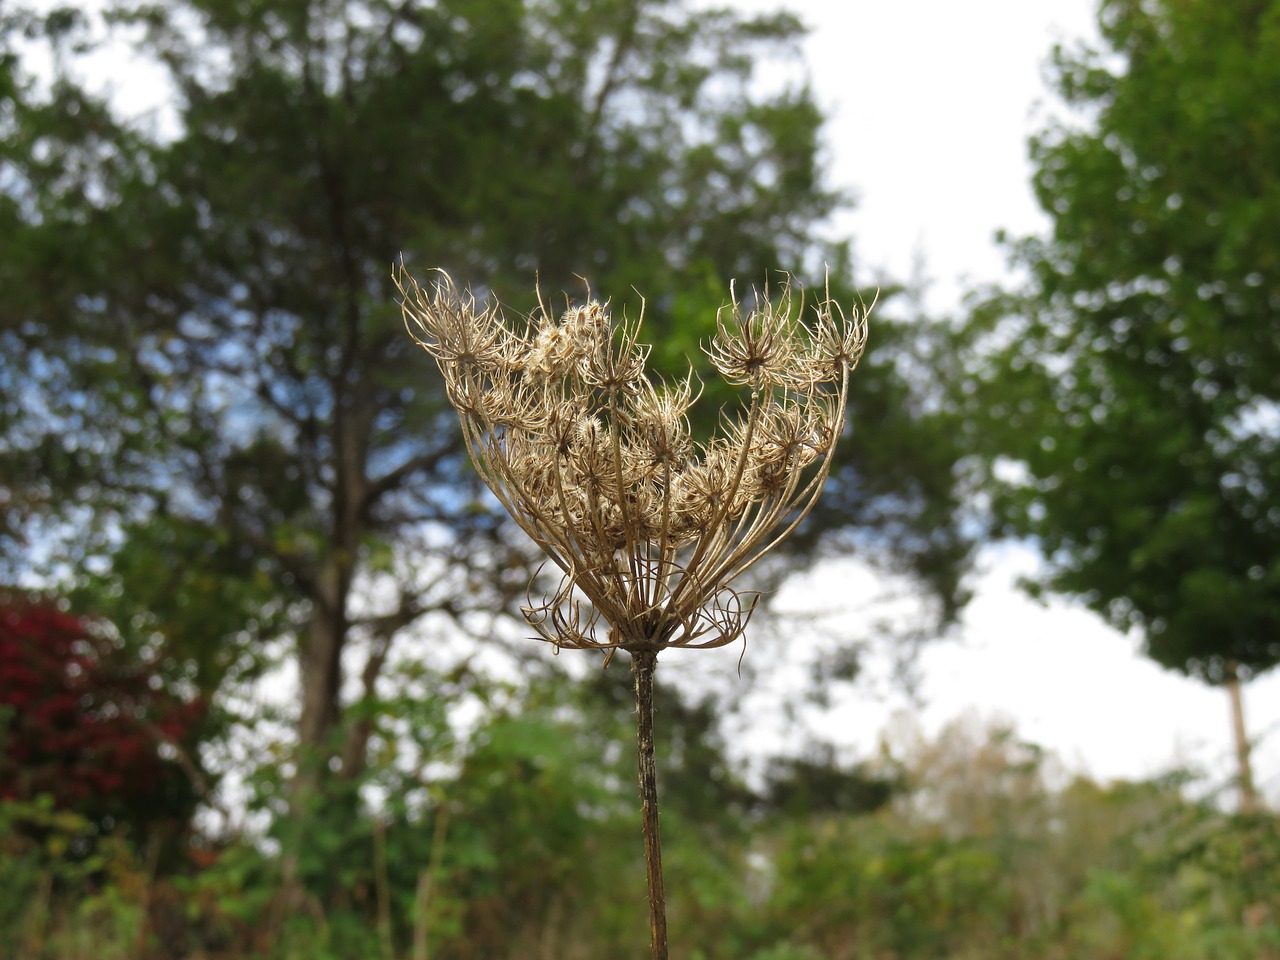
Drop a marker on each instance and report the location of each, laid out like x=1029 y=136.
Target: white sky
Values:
x=931 y=102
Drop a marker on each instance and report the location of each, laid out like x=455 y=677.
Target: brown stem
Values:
x=643 y=663
x=1248 y=793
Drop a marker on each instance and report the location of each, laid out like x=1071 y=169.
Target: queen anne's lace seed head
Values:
x=617 y=366
x=757 y=350
x=596 y=461
x=837 y=343
x=658 y=426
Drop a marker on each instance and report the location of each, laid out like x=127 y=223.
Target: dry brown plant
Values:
x=594 y=458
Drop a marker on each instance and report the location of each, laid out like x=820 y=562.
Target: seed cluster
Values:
x=595 y=460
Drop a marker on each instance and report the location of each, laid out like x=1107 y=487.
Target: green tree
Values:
x=1135 y=379
x=213 y=344
x=210 y=413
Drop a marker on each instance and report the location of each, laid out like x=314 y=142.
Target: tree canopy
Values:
x=1132 y=387
x=213 y=426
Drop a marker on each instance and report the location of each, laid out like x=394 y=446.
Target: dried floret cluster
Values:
x=595 y=459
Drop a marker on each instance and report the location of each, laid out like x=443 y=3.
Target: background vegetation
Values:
x=223 y=460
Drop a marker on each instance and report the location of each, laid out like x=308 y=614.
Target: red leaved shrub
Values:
x=82 y=721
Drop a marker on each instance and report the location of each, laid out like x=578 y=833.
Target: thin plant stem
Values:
x=382 y=887
x=643 y=663
x=424 y=903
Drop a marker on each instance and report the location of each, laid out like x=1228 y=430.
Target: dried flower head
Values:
x=595 y=459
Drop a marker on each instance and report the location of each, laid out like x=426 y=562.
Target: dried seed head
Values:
x=456 y=332
x=837 y=343
x=618 y=366
x=757 y=350
x=658 y=425
x=596 y=462
x=709 y=490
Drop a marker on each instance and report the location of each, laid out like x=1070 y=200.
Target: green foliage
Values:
x=786 y=952
x=818 y=784
x=1137 y=375
x=64 y=896
x=526 y=849
x=983 y=859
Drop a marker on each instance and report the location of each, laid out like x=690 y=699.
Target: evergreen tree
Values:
x=210 y=412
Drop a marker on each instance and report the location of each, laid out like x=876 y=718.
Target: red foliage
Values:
x=79 y=723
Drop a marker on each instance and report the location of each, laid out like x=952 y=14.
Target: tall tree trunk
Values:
x=320 y=656
x=356 y=742
x=1244 y=766
x=321 y=647
x=320 y=674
